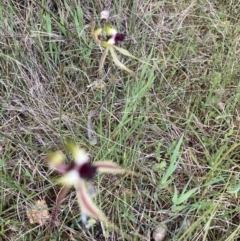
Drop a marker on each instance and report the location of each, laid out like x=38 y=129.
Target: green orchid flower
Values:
x=76 y=174
x=113 y=37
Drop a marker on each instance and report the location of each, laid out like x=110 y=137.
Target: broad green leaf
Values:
x=159 y=166
x=184 y=196
x=173 y=163
x=178 y=208
x=234 y=190
x=175 y=196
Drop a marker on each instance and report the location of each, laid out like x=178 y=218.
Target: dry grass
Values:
x=188 y=86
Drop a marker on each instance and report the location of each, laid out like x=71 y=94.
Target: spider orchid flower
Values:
x=76 y=174
x=113 y=37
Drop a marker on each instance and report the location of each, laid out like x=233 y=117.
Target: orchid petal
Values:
x=80 y=155
x=95 y=33
x=55 y=161
x=109 y=30
x=107 y=166
x=127 y=53
x=86 y=203
x=118 y=63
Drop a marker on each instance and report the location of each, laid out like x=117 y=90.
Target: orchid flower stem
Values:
x=61 y=99
x=92 y=113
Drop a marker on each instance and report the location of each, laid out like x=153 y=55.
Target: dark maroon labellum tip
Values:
x=119 y=37
x=87 y=170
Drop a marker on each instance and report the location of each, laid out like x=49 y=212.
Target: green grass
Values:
x=176 y=125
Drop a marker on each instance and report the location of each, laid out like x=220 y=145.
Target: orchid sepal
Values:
x=103 y=59
x=108 y=167
x=127 y=53
x=95 y=33
x=55 y=161
x=86 y=203
x=105 y=44
x=118 y=63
